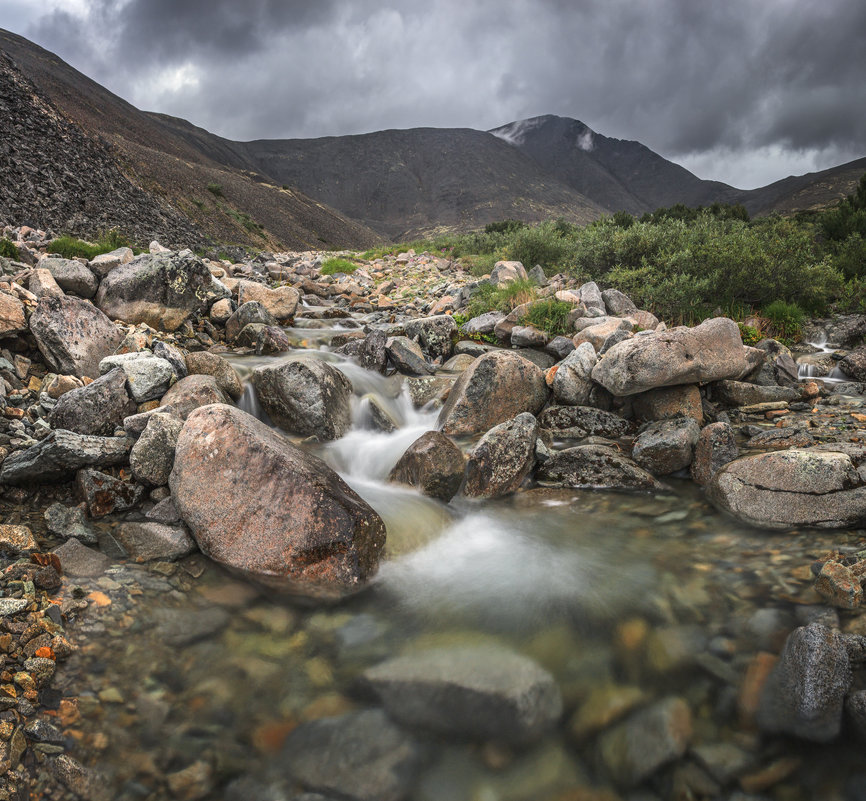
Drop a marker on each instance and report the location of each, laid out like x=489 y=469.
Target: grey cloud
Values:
x=686 y=78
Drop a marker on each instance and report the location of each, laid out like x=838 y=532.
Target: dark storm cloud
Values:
x=777 y=83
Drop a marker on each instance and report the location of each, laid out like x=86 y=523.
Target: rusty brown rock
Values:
x=838 y=585
x=666 y=402
x=256 y=503
x=12 y=320
x=191 y=392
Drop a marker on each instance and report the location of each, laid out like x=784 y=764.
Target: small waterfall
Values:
x=249 y=403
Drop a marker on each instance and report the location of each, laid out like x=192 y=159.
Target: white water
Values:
x=806 y=370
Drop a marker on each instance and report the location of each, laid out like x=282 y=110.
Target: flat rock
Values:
x=789 y=488
x=60 y=454
x=740 y=393
x=484 y=692
x=577 y=422
x=496 y=387
x=145 y=542
x=710 y=351
x=596 y=467
x=79 y=561
x=256 y=503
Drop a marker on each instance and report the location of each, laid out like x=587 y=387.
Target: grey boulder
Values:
x=152 y=456
x=71 y=276
x=433 y=464
x=596 y=467
x=97 y=408
x=502 y=459
x=665 y=446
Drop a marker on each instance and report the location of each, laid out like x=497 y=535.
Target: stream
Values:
x=190 y=679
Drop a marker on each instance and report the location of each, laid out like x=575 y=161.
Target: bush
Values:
x=546 y=244
x=332 y=266
x=8 y=249
x=784 y=319
x=489 y=298
x=215 y=189
x=68 y=247
x=550 y=315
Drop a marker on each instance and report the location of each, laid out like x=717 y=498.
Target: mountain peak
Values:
x=516 y=133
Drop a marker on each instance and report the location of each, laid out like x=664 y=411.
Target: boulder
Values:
x=785 y=489
x=256 y=503
x=174 y=356
x=104 y=493
x=666 y=402
x=71 y=276
x=104 y=263
x=596 y=335
x=577 y=422
x=433 y=464
x=665 y=446
x=635 y=749
x=360 y=756
x=162 y=289
x=528 y=336
x=435 y=335
x=145 y=542
x=306 y=396
x=596 y=467
x=506 y=272
x=60 y=454
x=495 y=388
x=152 y=456
x=560 y=347
x=372 y=352
x=252 y=312
x=97 y=408
x=617 y=302
x=710 y=351
x=264 y=339
x=804 y=695
x=189 y=393
x=147 y=376
x=484 y=691
x=41 y=282
x=590 y=296
x=12 y=319
x=716 y=446
x=741 y=393
x=73 y=335
x=281 y=303
x=483 y=323
x=572 y=383
x=777 y=439
x=854 y=364
x=204 y=363
x=777 y=368
x=502 y=458
x=406 y=356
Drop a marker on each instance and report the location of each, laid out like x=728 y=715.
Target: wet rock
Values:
x=572 y=383
x=435 y=335
x=280 y=302
x=86 y=783
x=838 y=585
x=71 y=276
x=506 y=272
x=667 y=402
x=429 y=390
x=60 y=454
x=105 y=494
x=484 y=692
x=205 y=363
x=496 y=387
x=264 y=339
x=97 y=408
x=252 y=312
x=716 y=446
x=192 y=783
x=162 y=290
x=603 y=706
x=361 y=756
x=73 y=335
x=406 y=356
x=781 y=438
x=665 y=446
x=16 y=540
x=483 y=323
x=634 y=750
x=710 y=351
x=79 y=561
x=12 y=319
x=306 y=396
x=596 y=466
x=783 y=489
x=854 y=364
x=190 y=393
x=804 y=694
x=147 y=376
x=577 y=422
x=740 y=393
x=152 y=456
x=433 y=464
x=66 y=522
x=233 y=480
x=145 y=542
x=502 y=459
x=372 y=353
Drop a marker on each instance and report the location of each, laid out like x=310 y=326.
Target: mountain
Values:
x=174 y=163
x=414 y=182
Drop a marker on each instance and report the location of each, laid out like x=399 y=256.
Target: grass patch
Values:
x=68 y=247
x=332 y=266
x=550 y=315
x=245 y=220
x=8 y=249
x=488 y=298
x=784 y=319
x=216 y=190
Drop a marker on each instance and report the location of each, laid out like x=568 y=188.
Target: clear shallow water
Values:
x=201 y=672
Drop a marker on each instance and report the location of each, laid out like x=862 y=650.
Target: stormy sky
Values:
x=744 y=91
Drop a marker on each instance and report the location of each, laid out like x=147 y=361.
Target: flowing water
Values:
x=192 y=672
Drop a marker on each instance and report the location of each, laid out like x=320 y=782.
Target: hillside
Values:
x=412 y=182
x=174 y=162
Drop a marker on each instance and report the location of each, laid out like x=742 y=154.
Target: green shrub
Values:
x=504 y=227
x=550 y=315
x=489 y=298
x=545 y=244
x=749 y=334
x=784 y=319
x=68 y=247
x=332 y=266
x=8 y=249
x=215 y=189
